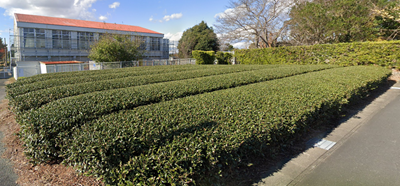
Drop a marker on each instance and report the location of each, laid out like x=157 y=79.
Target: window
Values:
x=66 y=39
x=85 y=39
x=165 y=44
x=29 y=37
x=40 y=38
x=61 y=39
x=155 y=43
x=142 y=41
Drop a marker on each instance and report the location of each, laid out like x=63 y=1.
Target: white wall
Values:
x=43 y=68
x=25 y=71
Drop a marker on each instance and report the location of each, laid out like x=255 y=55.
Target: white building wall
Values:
x=74 y=53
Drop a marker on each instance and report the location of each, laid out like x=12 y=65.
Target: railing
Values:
x=5 y=72
x=67 y=67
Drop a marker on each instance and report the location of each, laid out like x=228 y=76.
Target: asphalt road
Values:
x=370 y=156
x=362 y=150
x=7 y=175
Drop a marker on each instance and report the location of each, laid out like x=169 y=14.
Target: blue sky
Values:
x=168 y=17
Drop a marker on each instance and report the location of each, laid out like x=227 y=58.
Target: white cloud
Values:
x=103 y=18
x=173 y=37
x=173 y=16
x=75 y=9
x=231 y=12
x=114 y=5
x=167 y=18
x=241 y=45
x=228 y=11
x=94 y=10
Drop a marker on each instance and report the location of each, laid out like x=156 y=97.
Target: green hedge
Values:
x=83 y=74
x=68 y=79
x=34 y=99
x=44 y=129
x=223 y=57
x=345 y=54
x=193 y=138
x=203 y=57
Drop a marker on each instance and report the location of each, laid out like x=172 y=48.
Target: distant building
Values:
x=42 y=38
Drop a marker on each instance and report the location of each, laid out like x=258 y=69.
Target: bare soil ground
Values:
x=29 y=174
x=58 y=174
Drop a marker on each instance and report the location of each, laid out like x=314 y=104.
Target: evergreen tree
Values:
x=199 y=37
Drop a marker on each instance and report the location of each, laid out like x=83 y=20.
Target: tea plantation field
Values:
x=178 y=124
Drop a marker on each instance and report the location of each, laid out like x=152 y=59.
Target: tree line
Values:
x=273 y=23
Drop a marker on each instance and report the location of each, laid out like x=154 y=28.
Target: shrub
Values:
x=39 y=83
x=223 y=57
x=26 y=100
x=184 y=130
x=345 y=54
x=45 y=128
x=203 y=57
x=179 y=141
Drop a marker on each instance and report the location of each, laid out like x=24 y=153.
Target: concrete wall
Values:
x=26 y=71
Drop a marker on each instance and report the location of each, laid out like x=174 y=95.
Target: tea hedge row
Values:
x=193 y=138
x=60 y=75
x=358 y=53
x=71 y=79
x=36 y=98
x=44 y=129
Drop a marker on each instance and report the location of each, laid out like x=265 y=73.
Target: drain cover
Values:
x=325 y=144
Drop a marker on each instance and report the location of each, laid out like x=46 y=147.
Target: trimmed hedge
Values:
x=384 y=53
x=34 y=99
x=60 y=75
x=223 y=57
x=193 y=138
x=203 y=57
x=44 y=130
x=68 y=79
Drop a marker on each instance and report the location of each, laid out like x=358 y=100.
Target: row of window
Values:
x=36 y=38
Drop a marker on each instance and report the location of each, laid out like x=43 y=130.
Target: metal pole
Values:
x=5 y=52
x=10 y=48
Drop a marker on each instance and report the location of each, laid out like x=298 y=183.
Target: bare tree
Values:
x=261 y=22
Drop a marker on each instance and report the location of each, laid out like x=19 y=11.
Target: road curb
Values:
x=299 y=167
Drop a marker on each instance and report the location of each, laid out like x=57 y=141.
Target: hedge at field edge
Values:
x=203 y=57
x=383 y=53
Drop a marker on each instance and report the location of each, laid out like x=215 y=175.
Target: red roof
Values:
x=79 y=23
x=59 y=62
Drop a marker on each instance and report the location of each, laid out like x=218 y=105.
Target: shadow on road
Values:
x=264 y=167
